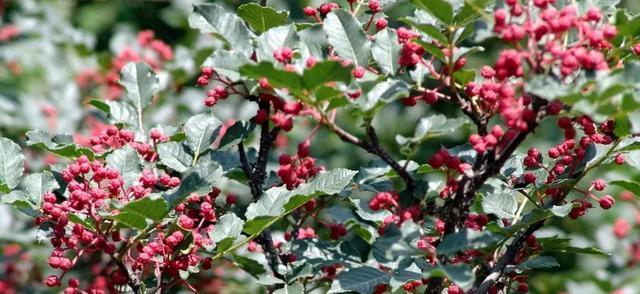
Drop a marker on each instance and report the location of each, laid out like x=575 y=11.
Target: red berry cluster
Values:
x=453 y=166
x=295 y=170
x=196 y=217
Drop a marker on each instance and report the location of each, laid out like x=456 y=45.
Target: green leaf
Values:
x=276 y=38
x=35 y=185
x=630 y=147
x=461 y=275
x=561 y=210
x=261 y=18
x=547 y=87
x=465 y=240
x=228 y=226
x=622 y=127
x=537 y=215
x=277 y=78
x=440 y=9
x=213 y=18
x=173 y=155
x=502 y=205
x=58 y=144
x=347 y=38
x=386 y=51
x=432 y=126
x=140 y=84
x=321 y=73
x=361 y=280
x=258 y=224
x=118 y=112
x=325 y=72
x=271 y=203
x=295 y=288
x=227 y=63
x=127 y=162
x=330 y=182
x=201 y=130
x=236 y=133
x=431 y=30
x=137 y=214
x=249 y=265
x=11 y=165
x=383 y=93
x=277 y=202
x=198 y=179
x=562 y=245
x=633 y=187
x=83 y=220
x=396 y=243
x=404 y=275
x=470 y=11
x=539 y=262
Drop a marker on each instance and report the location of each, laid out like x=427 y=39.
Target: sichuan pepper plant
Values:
x=153 y=207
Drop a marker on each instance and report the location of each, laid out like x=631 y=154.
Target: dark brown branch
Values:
x=482 y=286
x=375 y=148
x=372 y=145
x=246 y=168
x=132 y=281
x=256 y=177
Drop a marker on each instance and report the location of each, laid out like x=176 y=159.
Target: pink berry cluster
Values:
x=150 y=50
x=374 y=9
x=390 y=201
x=110 y=137
x=550 y=28
x=91 y=186
x=94 y=191
x=9 y=32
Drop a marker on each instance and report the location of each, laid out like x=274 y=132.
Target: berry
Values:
x=381 y=24
x=310 y=11
x=374 y=6
x=606 y=202
x=358 y=72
